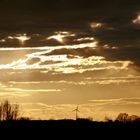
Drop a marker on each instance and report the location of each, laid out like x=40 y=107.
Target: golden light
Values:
x=85 y=39
x=95 y=25
x=23 y=38
x=58 y=37
x=137 y=20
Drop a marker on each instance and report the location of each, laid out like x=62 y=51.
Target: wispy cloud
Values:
x=97 y=109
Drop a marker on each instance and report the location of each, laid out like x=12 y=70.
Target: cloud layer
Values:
x=57 y=54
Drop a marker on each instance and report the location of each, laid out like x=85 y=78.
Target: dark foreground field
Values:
x=68 y=129
x=81 y=124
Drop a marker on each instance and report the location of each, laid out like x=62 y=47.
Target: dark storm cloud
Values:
x=48 y=16
x=131 y=54
x=53 y=14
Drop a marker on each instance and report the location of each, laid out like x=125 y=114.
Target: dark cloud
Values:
x=46 y=17
x=119 y=54
x=53 y=14
x=131 y=54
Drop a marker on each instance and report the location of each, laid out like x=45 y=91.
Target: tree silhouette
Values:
x=8 y=111
x=122 y=117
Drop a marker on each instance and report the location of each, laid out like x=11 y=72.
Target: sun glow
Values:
x=137 y=20
x=22 y=38
x=95 y=25
x=60 y=36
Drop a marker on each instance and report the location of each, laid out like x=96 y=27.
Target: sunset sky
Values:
x=56 y=55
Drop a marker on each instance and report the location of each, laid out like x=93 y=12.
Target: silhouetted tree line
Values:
x=10 y=112
x=124 y=117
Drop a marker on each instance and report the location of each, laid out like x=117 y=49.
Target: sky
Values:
x=56 y=55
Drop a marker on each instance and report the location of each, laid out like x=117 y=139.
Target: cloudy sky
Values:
x=59 y=54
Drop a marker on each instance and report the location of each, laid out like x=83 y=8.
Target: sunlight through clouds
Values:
x=22 y=38
x=65 y=64
x=48 y=78
x=56 y=55
x=60 y=36
x=96 y=25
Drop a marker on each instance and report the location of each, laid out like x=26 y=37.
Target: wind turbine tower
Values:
x=76 y=112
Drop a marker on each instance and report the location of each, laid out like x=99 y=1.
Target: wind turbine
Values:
x=76 y=111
